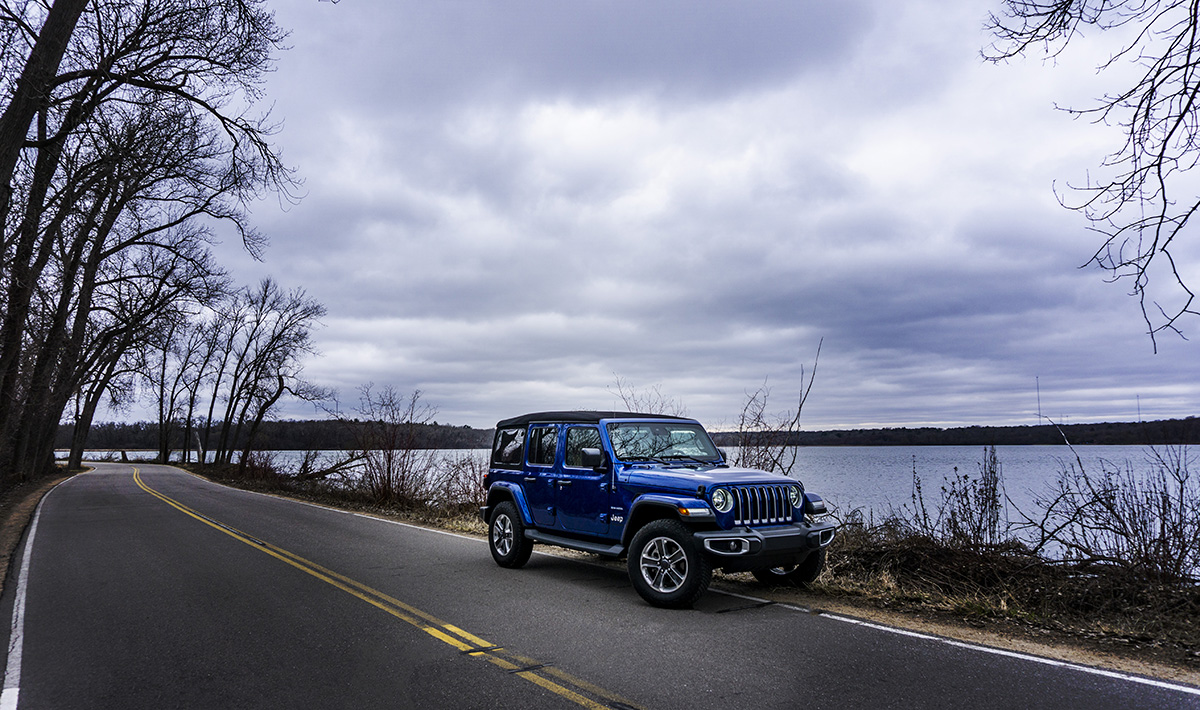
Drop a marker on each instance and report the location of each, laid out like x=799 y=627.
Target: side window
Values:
x=543 y=444
x=508 y=448
x=578 y=439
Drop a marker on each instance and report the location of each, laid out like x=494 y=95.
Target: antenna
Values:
x=1037 y=383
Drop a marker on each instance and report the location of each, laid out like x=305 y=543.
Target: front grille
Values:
x=761 y=505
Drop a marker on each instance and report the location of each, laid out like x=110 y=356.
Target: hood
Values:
x=688 y=479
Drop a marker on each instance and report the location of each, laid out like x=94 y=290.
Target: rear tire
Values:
x=666 y=566
x=801 y=575
x=506 y=537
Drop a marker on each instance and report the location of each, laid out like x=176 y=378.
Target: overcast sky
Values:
x=510 y=205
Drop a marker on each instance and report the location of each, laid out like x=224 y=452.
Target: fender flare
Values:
x=645 y=503
x=507 y=490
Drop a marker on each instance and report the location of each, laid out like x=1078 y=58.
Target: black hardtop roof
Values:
x=579 y=416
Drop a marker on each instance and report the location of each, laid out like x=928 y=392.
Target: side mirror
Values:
x=592 y=458
x=724 y=455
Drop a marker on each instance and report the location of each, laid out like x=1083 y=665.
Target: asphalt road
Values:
x=162 y=590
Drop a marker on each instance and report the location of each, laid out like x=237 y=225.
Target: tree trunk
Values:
x=280 y=388
x=33 y=89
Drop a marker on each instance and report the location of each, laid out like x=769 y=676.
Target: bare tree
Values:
x=176 y=357
x=31 y=91
x=267 y=335
x=766 y=440
x=649 y=400
x=203 y=341
x=126 y=250
x=1142 y=204
x=126 y=124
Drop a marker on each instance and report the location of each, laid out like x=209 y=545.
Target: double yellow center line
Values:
x=556 y=681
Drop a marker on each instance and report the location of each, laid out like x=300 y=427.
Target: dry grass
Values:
x=1007 y=584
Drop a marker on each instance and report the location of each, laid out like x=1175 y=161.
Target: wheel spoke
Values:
x=656 y=550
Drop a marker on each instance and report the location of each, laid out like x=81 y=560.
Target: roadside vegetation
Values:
x=389 y=470
x=1108 y=555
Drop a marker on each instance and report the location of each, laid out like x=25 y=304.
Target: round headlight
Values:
x=796 y=493
x=722 y=501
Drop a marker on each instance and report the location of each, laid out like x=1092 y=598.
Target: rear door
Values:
x=583 y=494
x=540 y=474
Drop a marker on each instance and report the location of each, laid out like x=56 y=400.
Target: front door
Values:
x=583 y=494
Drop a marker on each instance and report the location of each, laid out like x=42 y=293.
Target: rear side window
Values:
x=508 y=448
x=543 y=444
x=578 y=439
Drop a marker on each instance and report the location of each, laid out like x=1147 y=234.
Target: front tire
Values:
x=801 y=575
x=666 y=567
x=506 y=537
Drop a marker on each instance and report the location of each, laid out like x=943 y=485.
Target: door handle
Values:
x=563 y=484
x=530 y=478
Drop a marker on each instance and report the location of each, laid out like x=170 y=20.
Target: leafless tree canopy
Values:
x=127 y=129
x=1140 y=203
x=650 y=400
x=765 y=440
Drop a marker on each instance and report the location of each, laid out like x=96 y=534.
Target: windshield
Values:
x=633 y=441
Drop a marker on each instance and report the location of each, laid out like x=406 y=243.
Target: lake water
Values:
x=880 y=478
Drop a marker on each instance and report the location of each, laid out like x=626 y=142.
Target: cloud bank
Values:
x=510 y=206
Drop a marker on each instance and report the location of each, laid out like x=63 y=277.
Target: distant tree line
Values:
x=348 y=434
x=306 y=435
x=1169 y=431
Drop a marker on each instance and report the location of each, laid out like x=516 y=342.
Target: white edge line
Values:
x=1022 y=656
x=16 y=639
x=790 y=607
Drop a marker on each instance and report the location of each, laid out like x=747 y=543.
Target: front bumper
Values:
x=743 y=548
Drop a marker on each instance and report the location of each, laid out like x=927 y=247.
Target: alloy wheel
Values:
x=502 y=535
x=664 y=565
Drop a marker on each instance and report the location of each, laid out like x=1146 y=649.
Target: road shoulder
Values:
x=16 y=510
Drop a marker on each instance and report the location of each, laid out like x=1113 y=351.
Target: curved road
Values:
x=150 y=588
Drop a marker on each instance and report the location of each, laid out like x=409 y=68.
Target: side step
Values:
x=598 y=548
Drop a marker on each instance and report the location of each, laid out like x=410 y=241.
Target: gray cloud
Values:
x=457 y=52
x=510 y=205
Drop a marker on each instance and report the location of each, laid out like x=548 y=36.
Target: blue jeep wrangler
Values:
x=651 y=488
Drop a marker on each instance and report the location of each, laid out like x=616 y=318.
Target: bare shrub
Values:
x=969 y=511
x=972 y=506
x=394 y=470
x=458 y=481
x=1146 y=522
x=341 y=469
x=260 y=466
